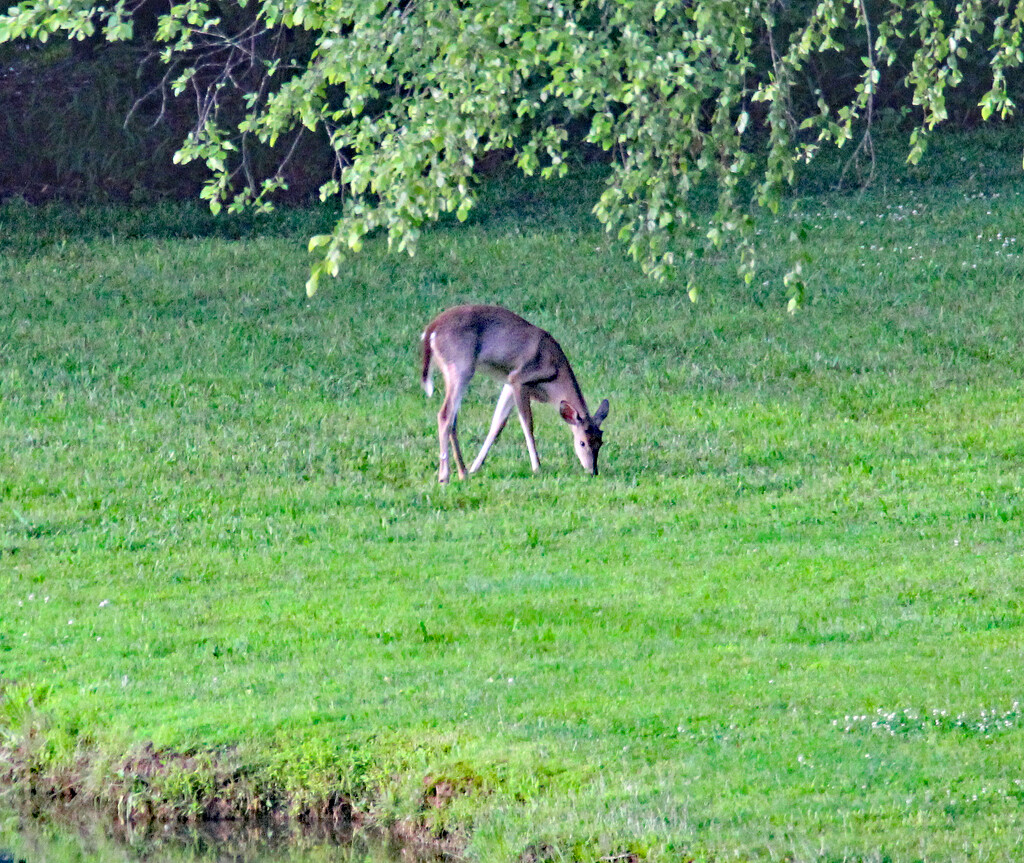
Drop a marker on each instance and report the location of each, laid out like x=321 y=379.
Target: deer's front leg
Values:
x=526 y=421
x=501 y=412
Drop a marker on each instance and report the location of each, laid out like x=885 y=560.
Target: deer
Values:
x=530 y=364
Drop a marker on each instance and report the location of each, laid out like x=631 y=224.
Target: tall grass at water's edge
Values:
x=786 y=620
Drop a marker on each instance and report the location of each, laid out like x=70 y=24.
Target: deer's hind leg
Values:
x=460 y=465
x=455 y=382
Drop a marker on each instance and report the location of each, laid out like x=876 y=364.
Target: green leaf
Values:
x=318 y=241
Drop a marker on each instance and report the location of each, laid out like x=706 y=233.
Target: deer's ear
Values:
x=602 y=413
x=568 y=413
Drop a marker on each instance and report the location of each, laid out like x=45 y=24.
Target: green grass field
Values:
x=785 y=623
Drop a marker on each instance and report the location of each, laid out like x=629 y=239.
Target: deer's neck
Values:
x=568 y=390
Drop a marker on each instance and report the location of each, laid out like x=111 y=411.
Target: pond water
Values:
x=74 y=838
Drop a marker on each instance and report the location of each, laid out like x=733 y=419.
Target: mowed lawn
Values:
x=785 y=622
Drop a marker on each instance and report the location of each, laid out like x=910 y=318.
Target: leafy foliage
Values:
x=682 y=95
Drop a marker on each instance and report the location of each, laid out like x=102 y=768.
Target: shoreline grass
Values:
x=785 y=621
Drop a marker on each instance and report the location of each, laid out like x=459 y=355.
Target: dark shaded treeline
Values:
x=96 y=121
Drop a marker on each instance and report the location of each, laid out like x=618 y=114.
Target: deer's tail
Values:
x=426 y=378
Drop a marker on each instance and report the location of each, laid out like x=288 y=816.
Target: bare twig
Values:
x=867 y=143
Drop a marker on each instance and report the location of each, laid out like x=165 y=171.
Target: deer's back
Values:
x=489 y=337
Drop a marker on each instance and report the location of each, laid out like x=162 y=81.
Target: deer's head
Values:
x=586 y=433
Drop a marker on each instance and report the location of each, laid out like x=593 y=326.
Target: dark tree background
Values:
x=395 y=106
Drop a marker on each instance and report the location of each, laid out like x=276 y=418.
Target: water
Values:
x=80 y=838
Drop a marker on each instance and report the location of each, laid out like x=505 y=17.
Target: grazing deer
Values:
x=526 y=359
